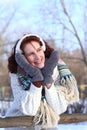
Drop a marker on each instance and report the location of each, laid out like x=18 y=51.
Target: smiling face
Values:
x=34 y=54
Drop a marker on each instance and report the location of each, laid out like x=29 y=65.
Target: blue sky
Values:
x=28 y=18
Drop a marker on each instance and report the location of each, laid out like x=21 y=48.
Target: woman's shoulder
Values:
x=14 y=79
x=13 y=76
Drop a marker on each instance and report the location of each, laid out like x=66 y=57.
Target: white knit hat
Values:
x=18 y=50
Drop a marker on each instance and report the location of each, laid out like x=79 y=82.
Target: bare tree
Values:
x=6 y=21
x=75 y=33
x=57 y=14
x=85 y=28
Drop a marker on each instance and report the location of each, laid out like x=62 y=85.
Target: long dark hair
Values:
x=12 y=64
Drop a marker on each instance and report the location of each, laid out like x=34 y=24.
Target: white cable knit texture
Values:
x=28 y=102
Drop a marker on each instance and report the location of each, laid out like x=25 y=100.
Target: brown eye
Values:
x=30 y=54
x=39 y=49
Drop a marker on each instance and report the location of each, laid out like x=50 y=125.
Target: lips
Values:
x=38 y=63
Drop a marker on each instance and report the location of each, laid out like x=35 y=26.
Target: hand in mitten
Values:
x=50 y=64
x=25 y=80
x=34 y=73
x=63 y=69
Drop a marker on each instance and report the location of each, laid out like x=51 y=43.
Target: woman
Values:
x=41 y=82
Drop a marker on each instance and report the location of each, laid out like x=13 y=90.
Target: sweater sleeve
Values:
x=27 y=102
x=59 y=96
x=56 y=100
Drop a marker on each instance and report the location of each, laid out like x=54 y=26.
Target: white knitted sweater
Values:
x=28 y=102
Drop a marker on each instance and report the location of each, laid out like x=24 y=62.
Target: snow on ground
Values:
x=72 y=126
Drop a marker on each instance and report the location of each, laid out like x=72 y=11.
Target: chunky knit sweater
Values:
x=28 y=102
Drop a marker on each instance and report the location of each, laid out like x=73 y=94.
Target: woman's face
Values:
x=34 y=54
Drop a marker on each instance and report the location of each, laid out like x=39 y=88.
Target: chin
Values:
x=40 y=66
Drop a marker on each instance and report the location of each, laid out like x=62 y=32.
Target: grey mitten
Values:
x=50 y=64
x=34 y=73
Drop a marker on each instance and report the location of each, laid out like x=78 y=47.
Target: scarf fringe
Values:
x=45 y=116
x=69 y=89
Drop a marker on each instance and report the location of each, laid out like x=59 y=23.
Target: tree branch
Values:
x=75 y=31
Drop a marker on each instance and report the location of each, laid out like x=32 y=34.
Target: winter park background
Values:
x=62 y=23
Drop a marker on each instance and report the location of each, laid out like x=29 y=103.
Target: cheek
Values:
x=42 y=54
x=43 y=57
x=30 y=60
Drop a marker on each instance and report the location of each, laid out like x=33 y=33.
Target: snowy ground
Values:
x=73 y=126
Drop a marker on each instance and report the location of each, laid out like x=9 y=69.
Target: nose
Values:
x=37 y=56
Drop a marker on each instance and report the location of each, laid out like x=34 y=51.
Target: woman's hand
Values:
x=47 y=71
x=34 y=73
